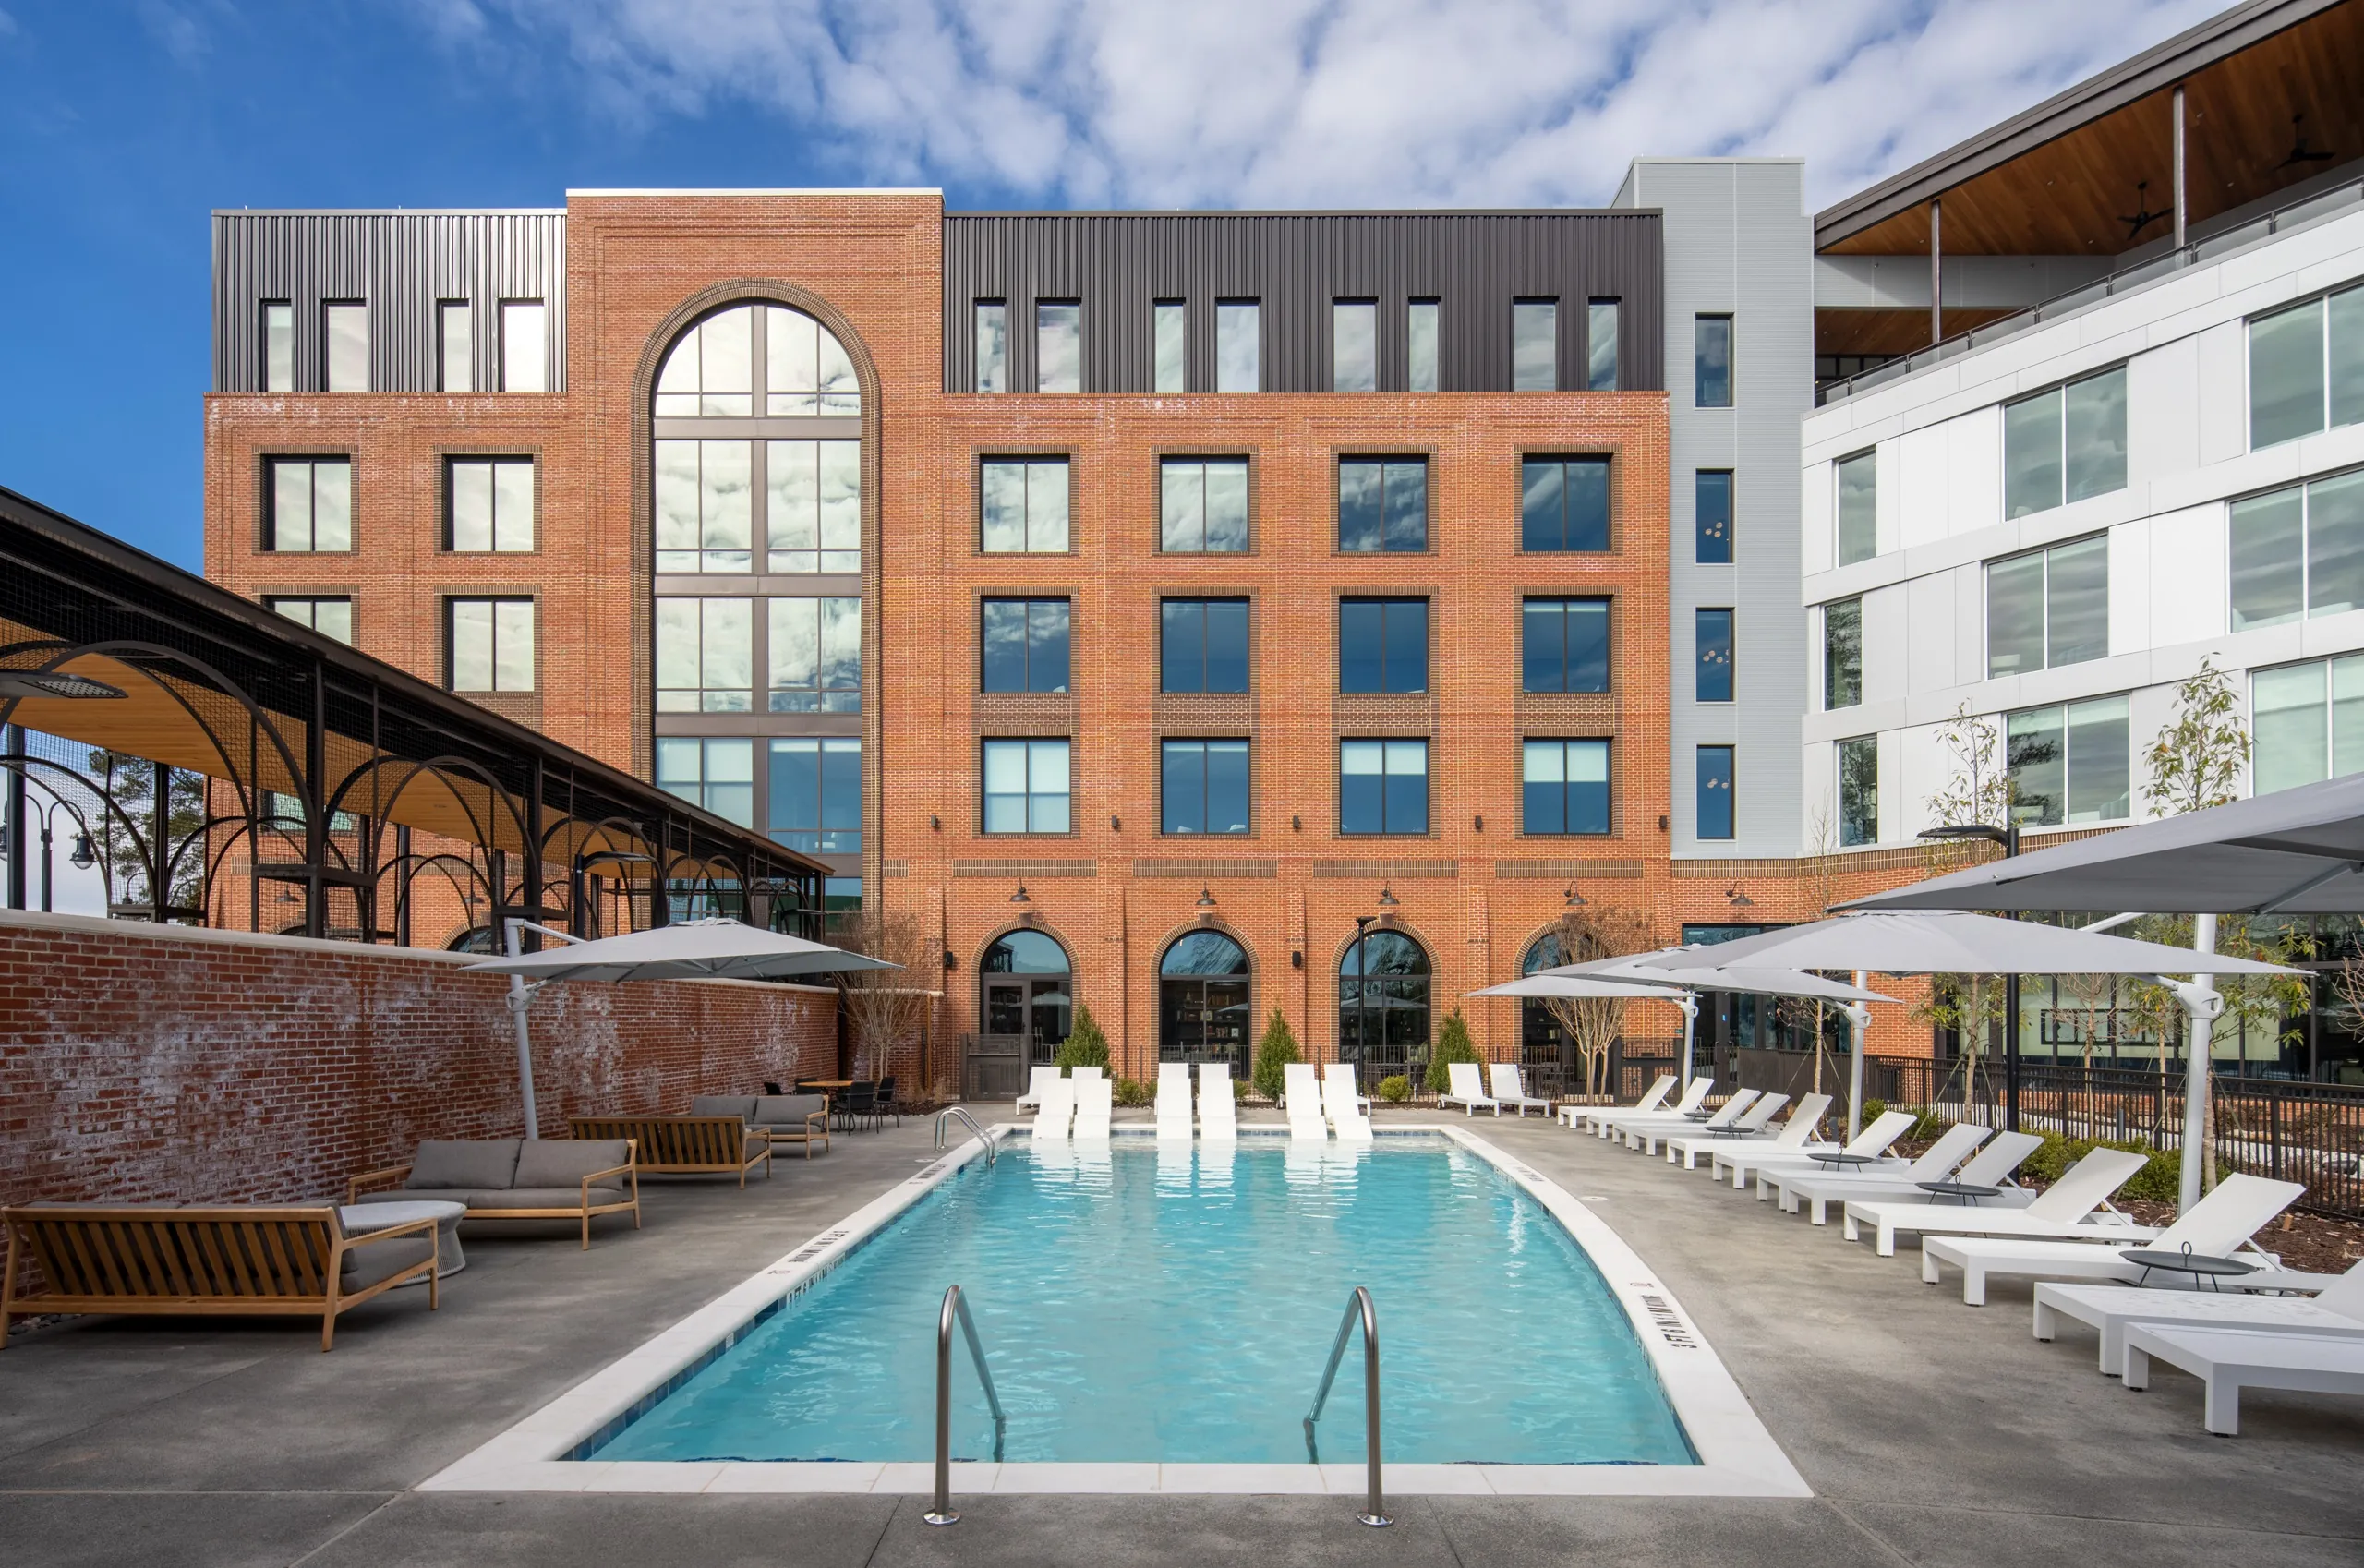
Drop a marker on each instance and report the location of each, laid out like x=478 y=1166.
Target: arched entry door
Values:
x=1026 y=984
x=1203 y=1002
x=1541 y=1042
x=1383 y=1007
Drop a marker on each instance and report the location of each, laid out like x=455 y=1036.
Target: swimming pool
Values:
x=1175 y=1304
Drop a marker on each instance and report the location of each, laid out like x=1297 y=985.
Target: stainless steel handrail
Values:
x=1374 y=1505
x=982 y=1135
x=956 y=1305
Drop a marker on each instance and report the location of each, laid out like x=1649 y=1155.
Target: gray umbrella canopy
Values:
x=696 y=950
x=1688 y=967
x=2295 y=851
x=1939 y=942
x=1581 y=987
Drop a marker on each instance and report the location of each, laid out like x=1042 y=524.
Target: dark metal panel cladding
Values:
x=402 y=265
x=1474 y=264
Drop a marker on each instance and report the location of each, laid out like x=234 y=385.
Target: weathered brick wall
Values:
x=148 y=1065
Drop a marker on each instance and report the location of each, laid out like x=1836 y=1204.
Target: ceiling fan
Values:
x=2298 y=151
x=2141 y=217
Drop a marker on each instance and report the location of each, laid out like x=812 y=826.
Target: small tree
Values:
x=1593 y=1023
x=885 y=1007
x=1274 y=1052
x=1085 y=1046
x=1978 y=789
x=1452 y=1045
x=2090 y=998
x=2196 y=761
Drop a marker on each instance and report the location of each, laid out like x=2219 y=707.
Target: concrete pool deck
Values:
x=1931 y=1432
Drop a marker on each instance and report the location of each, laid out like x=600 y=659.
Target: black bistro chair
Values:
x=861 y=1101
x=885 y=1106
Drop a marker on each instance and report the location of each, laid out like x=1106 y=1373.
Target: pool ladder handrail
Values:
x=1357 y=1307
x=980 y=1134
x=956 y=1305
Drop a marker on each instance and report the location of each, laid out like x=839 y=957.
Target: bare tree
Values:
x=2090 y=997
x=887 y=1008
x=1977 y=791
x=1592 y=1024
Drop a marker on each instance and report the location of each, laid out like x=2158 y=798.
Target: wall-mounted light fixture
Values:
x=1114 y=825
x=1206 y=898
x=1296 y=823
x=935 y=824
x=1387 y=900
x=950 y=961
x=1478 y=822
x=1020 y=897
x=1296 y=958
x=1739 y=899
x=1573 y=900
x=1661 y=821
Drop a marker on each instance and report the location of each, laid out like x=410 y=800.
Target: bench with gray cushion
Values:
x=515 y=1179
x=777 y=1119
x=685 y=1145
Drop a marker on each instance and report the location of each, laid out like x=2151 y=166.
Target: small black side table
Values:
x=2203 y=1268
x=1969 y=1192
x=1840 y=1158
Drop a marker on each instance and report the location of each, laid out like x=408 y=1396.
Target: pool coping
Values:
x=1737 y=1455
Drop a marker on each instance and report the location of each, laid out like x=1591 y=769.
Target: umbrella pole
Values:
x=1858 y=1016
x=2200 y=1052
x=518 y=1000
x=1690 y=1005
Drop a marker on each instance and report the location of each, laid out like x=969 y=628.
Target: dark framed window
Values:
x=524 y=345
x=1563 y=504
x=718 y=774
x=1534 y=346
x=1203 y=785
x=1058 y=345
x=1564 y=787
x=1202 y=644
x=2306 y=368
x=1601 y=345
x=815 y=654
x=814 y=507
x=705 y=507
x=278 y=346
x=1023 y=646
x=1202 y=505
x=2065 y=444
x=489 y=504
x=1170 y=330
x=1712 y=637
x=329 y=617
x=1382 y=786
x=1842 y=653
x=2298 y=553
x=993 y=345
x=1026 y=786
x=815 y=795
x=1711 y=511
x=1715 y=791
x=1383 y=644
x=1858 y=503
x=1382 y=503
x=344 y=345
x=1859 y=791
x=455 y=359
x=1022 y=503
x=1353 y=346
x=1712 y=362
x=2048 y=608
x=1564 y=644
x=1420 y=328
x=2073 y=763
x=307 y=505
x=488 y=645
x=705 y=655
x=1239 y=345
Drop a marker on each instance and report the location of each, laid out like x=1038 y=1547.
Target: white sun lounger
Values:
x=1055 y=1111
x=1647 y=1136
x=1991 y=1166
x=1338 y=1107
x=2218 y=1227
x=2338 y=1312
x=1794 y=1184
x=1093 y=1100
x=1346 y=1072
x=1797 y=1129
x=2229 y=1361
x=1605 y=1123
x=1746 y=1160
x=2069 y=1210
x=1301 y=1093
x=1033 y=1095
x=1218 y=1110
x=1505 y=1077
x=1576 y=1116
x=1691 y=1145
x=1173 y=1102
x=1467 y=1090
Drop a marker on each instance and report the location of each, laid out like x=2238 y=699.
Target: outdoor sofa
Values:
x=779 y=1118
x=685 y=1145
x=514 y=1178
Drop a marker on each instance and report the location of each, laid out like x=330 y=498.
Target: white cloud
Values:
x=1312 y=102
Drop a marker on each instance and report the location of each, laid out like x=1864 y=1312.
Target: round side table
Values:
x=361 y=1218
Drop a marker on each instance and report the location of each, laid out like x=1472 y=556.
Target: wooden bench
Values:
x=684 y=1145
x=550 y=1183
x=222 y=1261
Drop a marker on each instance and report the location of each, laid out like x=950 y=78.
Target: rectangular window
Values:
x=1353 y=346
x=2297 y=550
x=1023 y=646
x=717 y=775
x=711 y=369
x=310 y=504
x=1534 y=346
x=1842 y=653
x=1024 y=506
x=329 y=617
x=2070 y=764
x=2065 y=444
x=278 y=346
x=491 y=504
x=1382 y=786
x=1026 y=786
x=2048 y=608
x=1421 y=324
x=1711 y=508
x=706 y=656
x=1382 y=503
x=815 y=795
x=1058 y=345
x=1601 y=345
x=1203 y=786
x=1202 y=646
x=1564 y=786
x=1859 y=791
x=2306 y=368
x=1859 y=525
x=1563 y=646
x=455 y=362
x=815 y=654
x=2301 y=738
x=1712 y=365
x=1563 y=503
x=1170 y=328
x=1712 y=639
x=345 y=342
x=1239 y=345
x=704 y=506
x=1202 y=505
x=812 y=511
x=1383 y=644
x=992 y=346
x=1715 y=799
x=524 y=347
x=490 y=645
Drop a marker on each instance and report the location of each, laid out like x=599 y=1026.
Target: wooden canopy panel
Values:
x=1874 y=332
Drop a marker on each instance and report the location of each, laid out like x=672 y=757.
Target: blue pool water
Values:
x=1177 y=1305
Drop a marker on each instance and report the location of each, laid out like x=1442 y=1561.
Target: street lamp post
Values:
x=2008 y=837
x=1362 y=993
x=83 y=856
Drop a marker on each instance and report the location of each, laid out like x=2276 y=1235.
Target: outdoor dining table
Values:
x=830 y=1088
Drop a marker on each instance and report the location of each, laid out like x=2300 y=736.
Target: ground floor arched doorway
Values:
x=1028 y=988
x=1383 y=1007
x=1203 y=1004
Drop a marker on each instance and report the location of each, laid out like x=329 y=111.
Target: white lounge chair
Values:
x=2217 y=1226
x=1218 y=1112
x=1344 y=1073
x=1605 y=1123
x=2072 y=1208
x=1033 y=1095
x=1055 y=1112
x=1087 y=1072
x=1345 y=1118
x=1505 y=1078
x=1301 y=1096
x=1746 y=1160
x=1467 y=1089
x=1799 y=1127
x=1576 y=1116
x=1094 y=1098
x=1689 y=1146
x=1172 y=1102
x=2229 y=1361
x=1991 y=1166
x=1794 y=1185
x=1647 y=1136
x=2338 y=1312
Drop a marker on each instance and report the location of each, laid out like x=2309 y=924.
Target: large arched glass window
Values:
x=1203 y=1010
x=1383 y=1006
x=1541 y=1042
x=1027 y=982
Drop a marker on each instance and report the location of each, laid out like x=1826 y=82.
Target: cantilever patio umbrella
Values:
x=695 y=949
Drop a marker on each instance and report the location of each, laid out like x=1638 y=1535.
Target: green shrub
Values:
x=1238 y=1091
x=1875 y=1109
x=1273 y=1052
x=1085 y=1046
x=1396 y=1089
x=1927 y=1127
x=1452 y=1045
x=1129 y=1091
x=2159 y=1180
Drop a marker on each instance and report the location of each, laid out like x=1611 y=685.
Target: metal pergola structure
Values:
x=342 y=782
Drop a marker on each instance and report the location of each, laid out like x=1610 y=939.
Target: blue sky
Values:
x=123 y=123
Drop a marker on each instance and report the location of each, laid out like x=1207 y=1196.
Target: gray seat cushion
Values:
x=461 y=1163
x=739 y=1106
x=785 y=1110
x=756 y=1144
x=546 y=1198
x=562 y=1161
x=365 y=1266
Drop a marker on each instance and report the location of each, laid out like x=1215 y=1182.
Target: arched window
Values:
x=1203 y=1012
x=1026 y=983
x=1541 y=1042
x=712 y=370
x=1383 y=1006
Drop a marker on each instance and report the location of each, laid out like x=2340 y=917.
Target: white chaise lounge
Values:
x=1695 y=1093
x=2229 y=1361
x=1746 y=1160
x=1576 y=1116
x=1794 y=1184
x=1990 y=1166
x=1647 y=1136
x=1505 y=1077
x=1094 y=1099
x=1301 y=1094
x=1687 y=1147
x=1338 y=1107
x=1173 y=1102
x=1467 y=1089
x=1218 y=1110
x=1055 y=1113
x=1346 y=1072
x=2111 y=1310
x=1033 y=1095
x=2072 y=1208
x=2218 y=1227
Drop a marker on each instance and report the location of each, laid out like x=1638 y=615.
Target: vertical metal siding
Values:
x=402 y=265
x=1475 y=263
